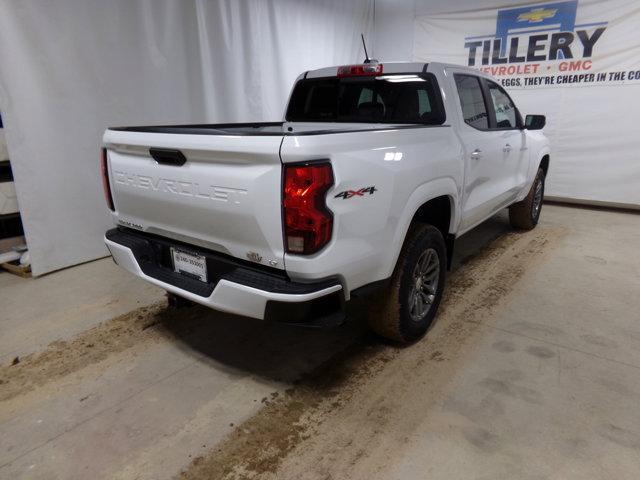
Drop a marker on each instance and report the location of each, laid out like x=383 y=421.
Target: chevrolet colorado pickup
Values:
x=365 y=185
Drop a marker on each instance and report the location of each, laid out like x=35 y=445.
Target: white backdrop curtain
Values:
x=70 y=68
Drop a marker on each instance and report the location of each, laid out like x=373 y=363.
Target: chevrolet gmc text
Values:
x=374 y=172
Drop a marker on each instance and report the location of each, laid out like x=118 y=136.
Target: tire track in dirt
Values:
x=308 y=432
x=61 y=358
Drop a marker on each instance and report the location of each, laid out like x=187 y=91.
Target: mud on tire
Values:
x=419 y=276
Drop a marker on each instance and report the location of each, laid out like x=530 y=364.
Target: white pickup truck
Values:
x=365 y=185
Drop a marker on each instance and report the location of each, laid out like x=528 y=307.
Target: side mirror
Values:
x=535 y=122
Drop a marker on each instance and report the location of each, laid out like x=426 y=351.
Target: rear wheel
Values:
x=407 y=309
x=526 y=213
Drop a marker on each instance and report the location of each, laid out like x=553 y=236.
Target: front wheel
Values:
x=407 y=309
x=526 y=213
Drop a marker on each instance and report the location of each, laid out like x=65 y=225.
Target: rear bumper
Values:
x=233 y=287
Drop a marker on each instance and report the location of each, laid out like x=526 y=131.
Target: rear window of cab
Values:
x=398 y=98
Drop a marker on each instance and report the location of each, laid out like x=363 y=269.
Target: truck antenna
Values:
x=366 y=55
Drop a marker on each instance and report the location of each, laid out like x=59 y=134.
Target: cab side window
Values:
x=504 y=108
x=474 y=110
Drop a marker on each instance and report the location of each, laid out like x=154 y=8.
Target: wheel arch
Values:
x=435 y=202
x=438 y=212
x=544 y=163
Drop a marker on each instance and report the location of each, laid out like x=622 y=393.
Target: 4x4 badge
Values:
x=356 y=193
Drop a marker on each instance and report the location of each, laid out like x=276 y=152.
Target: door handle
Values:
x=507 y=148
x=476 y=154
x=166 y=156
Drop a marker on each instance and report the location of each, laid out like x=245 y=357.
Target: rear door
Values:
x=224 y=197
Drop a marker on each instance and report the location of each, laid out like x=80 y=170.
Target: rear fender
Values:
x=425 y=192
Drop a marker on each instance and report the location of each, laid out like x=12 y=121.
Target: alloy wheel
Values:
x=425 y=284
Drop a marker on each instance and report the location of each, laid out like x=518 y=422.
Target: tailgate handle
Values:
x=166 y=156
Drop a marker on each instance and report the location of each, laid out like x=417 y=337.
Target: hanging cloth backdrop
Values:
x=71 y=68
x=577 y=62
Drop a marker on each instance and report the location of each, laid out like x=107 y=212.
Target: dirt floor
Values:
x=532 y=370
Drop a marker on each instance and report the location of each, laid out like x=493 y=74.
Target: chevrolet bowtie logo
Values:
x=537 y=15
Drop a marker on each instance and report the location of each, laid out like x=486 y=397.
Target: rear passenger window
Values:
x=474 y=109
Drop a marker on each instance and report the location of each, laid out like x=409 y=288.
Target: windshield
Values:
x=382 y=99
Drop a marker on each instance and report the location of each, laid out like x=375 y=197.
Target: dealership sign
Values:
x=543 y=44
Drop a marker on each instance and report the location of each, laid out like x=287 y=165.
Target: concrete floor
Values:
x=539 y=378
x=57 y=306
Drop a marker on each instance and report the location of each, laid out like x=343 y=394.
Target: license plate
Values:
x=189 y=264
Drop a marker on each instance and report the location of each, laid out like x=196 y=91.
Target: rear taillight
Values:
x=105 y=180
x=362 y=70
x=307 y=220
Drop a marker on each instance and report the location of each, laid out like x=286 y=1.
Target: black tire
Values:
x=393 y=314
x=525 y=214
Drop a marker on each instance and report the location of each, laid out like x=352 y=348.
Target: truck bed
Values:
x=266 y=129
x=257 y=129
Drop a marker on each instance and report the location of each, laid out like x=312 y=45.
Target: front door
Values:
x=505 y=120
x=482 y=150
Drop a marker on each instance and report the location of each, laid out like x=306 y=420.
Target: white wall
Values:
x=73 y=67
x=393 y=30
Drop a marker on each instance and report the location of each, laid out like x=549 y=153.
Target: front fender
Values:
x=539 y=147
x=537 y=159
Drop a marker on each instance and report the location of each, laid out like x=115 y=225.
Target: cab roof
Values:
x=396 y=67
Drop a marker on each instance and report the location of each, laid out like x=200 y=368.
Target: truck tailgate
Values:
x=225 y=197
